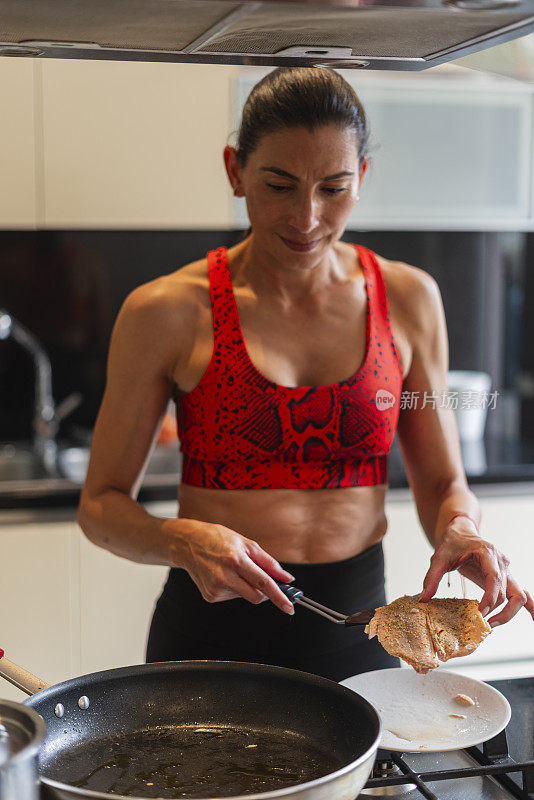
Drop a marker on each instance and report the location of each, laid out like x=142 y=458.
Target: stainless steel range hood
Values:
x=373 y=34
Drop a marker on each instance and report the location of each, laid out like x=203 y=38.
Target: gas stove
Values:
x=500 y=769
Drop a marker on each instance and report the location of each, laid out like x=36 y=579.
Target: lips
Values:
x=300 y=247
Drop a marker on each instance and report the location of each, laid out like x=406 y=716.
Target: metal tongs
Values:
x=296 y=596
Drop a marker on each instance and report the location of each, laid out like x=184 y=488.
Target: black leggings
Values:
x=184 y=626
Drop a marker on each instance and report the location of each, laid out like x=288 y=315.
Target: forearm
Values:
x=221 y=562
x=436 y=509
x=114 y=521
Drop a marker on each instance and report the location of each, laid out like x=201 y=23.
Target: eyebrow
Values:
x=285 y=174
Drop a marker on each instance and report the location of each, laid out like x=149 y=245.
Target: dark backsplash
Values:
x=67 y=287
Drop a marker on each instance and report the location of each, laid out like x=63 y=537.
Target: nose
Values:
x=304 y=216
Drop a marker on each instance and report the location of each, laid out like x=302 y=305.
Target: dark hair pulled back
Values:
x=305 y=97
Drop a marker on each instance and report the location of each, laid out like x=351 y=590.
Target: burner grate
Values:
x=493 y=760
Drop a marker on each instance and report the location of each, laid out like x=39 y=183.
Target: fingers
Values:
x=485 y=566
x=262 y=572
x=494 y=567
x=269 y=564
x=439 y=565
x=265 y=585
x=244 y=589
x=228 y=585
x=529 y=605
x=517 y=598
x=482 y=563
x=225 y=565
x=239 y=576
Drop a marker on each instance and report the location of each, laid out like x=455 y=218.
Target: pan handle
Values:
x=20 y=677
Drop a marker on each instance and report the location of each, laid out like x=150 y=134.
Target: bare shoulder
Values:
x=159 y=321
x=180 y=290
x=170 y=303
x=413 y=294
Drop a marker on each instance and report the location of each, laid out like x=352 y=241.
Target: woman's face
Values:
x=300 y=187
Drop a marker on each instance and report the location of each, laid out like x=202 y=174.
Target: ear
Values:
x=233 y=171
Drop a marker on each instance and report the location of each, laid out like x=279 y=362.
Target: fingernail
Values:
x=289 y=576
x=495 y=624
x=289 y=609
x=485 y=611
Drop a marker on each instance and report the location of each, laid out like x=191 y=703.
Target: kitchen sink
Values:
x=19 y=464
x=73 y=461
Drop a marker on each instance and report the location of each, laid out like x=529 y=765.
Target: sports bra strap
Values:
x=223 y=306
x=381 y=328
x=373 y=278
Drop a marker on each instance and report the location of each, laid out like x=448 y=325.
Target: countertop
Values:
x=493 y=459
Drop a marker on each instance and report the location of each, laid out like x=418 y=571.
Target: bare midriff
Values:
x=303 y=526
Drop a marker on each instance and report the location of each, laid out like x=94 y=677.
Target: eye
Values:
x=277 y=187
x=331 y=190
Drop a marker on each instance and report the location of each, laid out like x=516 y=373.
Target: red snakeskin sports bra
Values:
x=239 y=430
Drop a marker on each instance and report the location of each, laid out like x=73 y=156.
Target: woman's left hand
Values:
x=480 y=561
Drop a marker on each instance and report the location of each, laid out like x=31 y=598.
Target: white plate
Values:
x=415 y=709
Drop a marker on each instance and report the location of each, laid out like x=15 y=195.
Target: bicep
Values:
x=427 y=430
x=138 y=388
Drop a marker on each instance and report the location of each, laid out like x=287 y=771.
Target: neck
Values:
x=286 y=279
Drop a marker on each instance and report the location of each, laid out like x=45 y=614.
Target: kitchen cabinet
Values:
x=116 y=603
x=39 y=597
x=135 y=145
x=68 y=607
x=19 y=142
x=447 y=152
x=111 y=145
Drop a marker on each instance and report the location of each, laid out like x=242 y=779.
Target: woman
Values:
x=286 y=355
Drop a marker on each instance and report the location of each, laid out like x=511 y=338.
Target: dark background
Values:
x=66 y=287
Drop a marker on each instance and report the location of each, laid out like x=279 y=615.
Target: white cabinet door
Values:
x=507 y=522
x=18 y=198
x=135 y=145
x=406 y=549
x=39 y=600
x=446 y=153
x=117 y=600
x=449 y=157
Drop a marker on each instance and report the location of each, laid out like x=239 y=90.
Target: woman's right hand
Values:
x=224 y=565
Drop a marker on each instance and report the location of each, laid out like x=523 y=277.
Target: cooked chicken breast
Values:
x=423 y=634
x=402 y=630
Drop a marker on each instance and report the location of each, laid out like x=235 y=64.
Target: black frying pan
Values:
x=203 y=729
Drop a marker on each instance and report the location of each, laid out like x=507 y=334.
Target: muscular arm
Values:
x=139 y=385
x=430 y=446
x=427 y=433
x=149 y=346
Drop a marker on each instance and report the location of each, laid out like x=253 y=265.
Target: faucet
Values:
x=46 y=417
